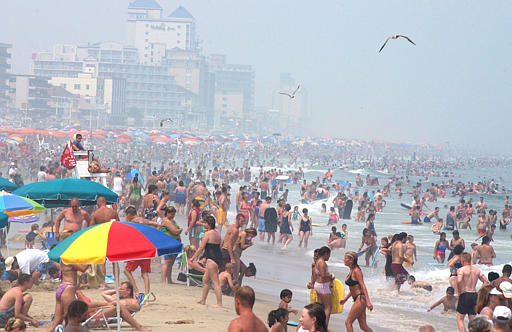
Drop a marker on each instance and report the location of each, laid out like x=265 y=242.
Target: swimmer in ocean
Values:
x=411 y=280
x=449 y=302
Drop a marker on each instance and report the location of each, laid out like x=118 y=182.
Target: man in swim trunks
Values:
x=75 y=219
x=229 y=242
x=397 y=259
x=16 y=303
x=467 y=278
x=261 y=217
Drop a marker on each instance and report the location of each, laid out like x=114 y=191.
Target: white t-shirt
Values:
x=29 y=259
x=41 y=176
x=118 y=184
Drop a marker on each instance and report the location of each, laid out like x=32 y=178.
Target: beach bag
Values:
x=67 y=158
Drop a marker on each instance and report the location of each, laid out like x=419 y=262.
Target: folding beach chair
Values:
x=99 y=320
x=191 y=277
x=50 y=241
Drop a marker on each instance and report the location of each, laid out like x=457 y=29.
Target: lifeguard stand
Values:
x=81 y=171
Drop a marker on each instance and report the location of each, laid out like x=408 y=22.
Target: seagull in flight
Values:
x=164 y=121
x=396 y=37
x=290 y=95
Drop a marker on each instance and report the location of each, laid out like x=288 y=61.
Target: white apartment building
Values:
x=152 y=33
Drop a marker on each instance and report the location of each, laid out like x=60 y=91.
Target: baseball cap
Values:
x=502 y=313
x=506 y=288
x=8 y=263
x=495 y=291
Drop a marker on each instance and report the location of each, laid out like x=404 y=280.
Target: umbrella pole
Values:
x=118 y=305
x=7 y=241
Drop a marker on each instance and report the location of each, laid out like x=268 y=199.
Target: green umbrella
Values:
x=58 y=193
x=7 y=185
x=3 y=220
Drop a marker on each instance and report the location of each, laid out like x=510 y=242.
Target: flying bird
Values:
x=396 y=37
x=290 y=95
x=164 y=121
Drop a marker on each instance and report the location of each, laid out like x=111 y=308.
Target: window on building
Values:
x=147 y=33
x=179 y=26
x=77 y=86
x=178 y=42
x=87 y=87
x=224 y=98
x=224 y=105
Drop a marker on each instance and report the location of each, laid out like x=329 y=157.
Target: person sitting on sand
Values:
x=226 y=280
x=244 y=301
x=16 y=302
x=128 y=303
x=95 y=166
x=418 y=284
x=278 y=320
x=449 y=301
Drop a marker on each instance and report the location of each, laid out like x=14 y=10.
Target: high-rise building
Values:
x=5 y=67
x=31 y=95
x=152 y=33
x=122 y=87
x=234 y=92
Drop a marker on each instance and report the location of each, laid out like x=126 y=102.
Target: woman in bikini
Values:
x=359 y=293
x=66 y=292
x=245 y=207
x=440 y=248
x=322 y=281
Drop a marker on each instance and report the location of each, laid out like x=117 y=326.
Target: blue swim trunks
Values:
x=261 y=224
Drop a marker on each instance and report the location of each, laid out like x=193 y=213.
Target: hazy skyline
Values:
x=454 y=86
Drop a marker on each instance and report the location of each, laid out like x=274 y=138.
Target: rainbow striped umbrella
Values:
x=15 y=206
x=116 y=241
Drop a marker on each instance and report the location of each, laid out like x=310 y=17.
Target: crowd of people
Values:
x=199 y=188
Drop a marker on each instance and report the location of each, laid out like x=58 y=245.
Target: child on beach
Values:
x=31 y=236
x=296 y=213
x=286 y=297
x=436 y=228
x=449 y=301
x=226 y=280
x=324 y=208
x=333 y=217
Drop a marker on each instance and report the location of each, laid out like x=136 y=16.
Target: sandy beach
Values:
x=173 y=303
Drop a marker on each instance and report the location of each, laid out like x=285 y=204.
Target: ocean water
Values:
x=404 y=311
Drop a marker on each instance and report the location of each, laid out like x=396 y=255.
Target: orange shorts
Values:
x=145 y=265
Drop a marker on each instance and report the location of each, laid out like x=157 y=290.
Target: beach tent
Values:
x=114 y=241
x=58 y=193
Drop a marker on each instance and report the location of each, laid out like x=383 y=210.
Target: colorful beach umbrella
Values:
x=7 y=185
x=58 y=193
x=116 y=241
x=14 y=206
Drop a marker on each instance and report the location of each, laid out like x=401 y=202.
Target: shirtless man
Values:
x=467 y=277
x=264 y=188
x=261 y=217
x=481 y=205
x=74 y=217
x=397 y=259
x=16 y=303
x=103 y=213
x=432 y=215
x=229 y=242
x=482 y=223
x=485 y=252
x=247 y=322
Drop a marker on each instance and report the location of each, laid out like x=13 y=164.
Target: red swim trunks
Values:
x=400 y=273
x=145 y=265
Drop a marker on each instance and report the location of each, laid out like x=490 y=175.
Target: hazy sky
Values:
x=455 y=85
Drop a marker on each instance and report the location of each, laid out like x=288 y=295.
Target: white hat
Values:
x=506 y=288
x=502 y=314
x=495 y=291
x=8 y=263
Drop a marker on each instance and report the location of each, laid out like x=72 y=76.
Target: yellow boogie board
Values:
x=337 y=294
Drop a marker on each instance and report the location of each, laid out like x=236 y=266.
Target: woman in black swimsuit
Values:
x=210 y=245
x=304 y=228
x=359 y=294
